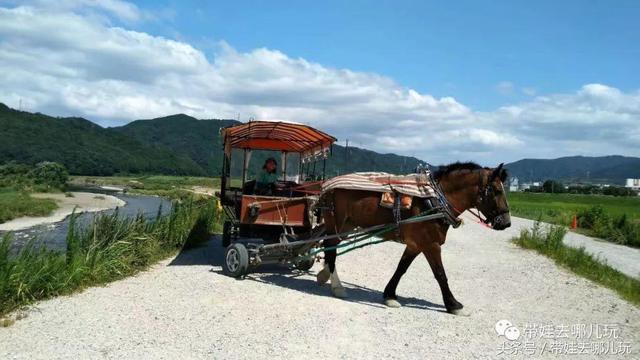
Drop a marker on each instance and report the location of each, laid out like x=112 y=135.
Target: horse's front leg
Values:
x=390 y=297
x=329 y=272
x=435 y=261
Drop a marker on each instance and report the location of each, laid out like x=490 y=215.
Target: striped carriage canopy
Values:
x=277 y=135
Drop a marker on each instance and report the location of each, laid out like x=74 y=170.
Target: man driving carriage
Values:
x=266 y=180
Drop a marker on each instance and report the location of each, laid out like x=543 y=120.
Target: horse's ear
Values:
x=498 y=172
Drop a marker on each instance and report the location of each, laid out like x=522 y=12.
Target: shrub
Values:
x=619 y=230
x=49 y=174
x=588 y=218
x=45 y=176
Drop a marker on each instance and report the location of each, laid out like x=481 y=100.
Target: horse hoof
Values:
x=323 y=276
x=460 y=312
x=339 y=292
x=392 y=303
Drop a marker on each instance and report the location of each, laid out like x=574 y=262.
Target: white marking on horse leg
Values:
x=392 y=303
x=324 y=275
x=336 y=286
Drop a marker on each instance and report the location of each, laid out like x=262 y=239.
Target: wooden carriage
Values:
x=287 y=210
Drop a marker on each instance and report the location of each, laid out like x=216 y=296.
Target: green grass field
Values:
x=14 y=204
x=559 y=208
x=615 y=219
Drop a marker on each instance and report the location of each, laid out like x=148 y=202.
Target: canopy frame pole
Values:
x=284 y=166
x=324 y=167
x=244 y=168
x=300 y=169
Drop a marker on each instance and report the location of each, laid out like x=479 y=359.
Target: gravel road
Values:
x=185 y=308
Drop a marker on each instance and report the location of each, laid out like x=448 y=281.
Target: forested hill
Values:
x=183 y=145
x=83 y=147
x=176 y=144
x=613 y=168
x=200 y=140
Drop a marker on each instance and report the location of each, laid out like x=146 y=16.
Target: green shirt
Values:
x=267 y=178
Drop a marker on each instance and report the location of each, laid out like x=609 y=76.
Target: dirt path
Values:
x=185 y=308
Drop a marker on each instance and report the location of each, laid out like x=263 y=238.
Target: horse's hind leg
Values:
x=433 y=255
x=390 y=297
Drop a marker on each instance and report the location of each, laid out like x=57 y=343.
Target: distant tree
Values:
x=50 y=174
x=618 y=191
x=553 y=186
x=535 y=189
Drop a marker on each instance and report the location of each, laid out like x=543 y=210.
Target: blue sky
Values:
x=463 y=49
x=485 y=81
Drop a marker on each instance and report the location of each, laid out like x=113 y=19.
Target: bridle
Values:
x=485 y=192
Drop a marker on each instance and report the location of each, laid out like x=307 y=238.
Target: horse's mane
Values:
x=447 y=169
x=444 y=170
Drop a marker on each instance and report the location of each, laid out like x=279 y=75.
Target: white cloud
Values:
x=119 y=9
x=65 y=63
x=597 y=119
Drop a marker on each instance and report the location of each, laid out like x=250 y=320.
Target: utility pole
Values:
x=346 y=154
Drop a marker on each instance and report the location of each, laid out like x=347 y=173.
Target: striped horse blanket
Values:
x=413 y=184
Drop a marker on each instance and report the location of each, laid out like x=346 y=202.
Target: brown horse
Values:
x=465 y=186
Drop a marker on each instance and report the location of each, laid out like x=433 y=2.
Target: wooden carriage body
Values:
x=289 y=207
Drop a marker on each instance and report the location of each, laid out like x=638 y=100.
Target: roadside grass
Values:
x=111 y=248
x=548 y=241
x=615 y=219
x=14 y=204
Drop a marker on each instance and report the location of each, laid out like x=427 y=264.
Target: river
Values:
x=53 y=236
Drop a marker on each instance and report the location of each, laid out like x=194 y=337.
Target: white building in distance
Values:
x=633 y=184
x=513 y=184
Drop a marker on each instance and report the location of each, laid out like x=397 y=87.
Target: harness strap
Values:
x=451 y=218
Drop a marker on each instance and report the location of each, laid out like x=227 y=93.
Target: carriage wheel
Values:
x=226 y=233
x=236 y=260
x=305 y=264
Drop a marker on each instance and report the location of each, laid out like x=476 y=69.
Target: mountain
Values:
x=200 y=140
x=182 y=134
x=183 y=145
x=174 y=145
x=614 y=168
x=83 y=147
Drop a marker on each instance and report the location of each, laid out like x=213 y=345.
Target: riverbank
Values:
x=113 y=247
x=67 y=203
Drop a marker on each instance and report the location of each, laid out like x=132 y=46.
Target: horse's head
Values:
x=492 y=199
